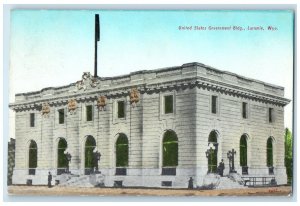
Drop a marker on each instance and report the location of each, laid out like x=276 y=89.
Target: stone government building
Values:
x=153 y=128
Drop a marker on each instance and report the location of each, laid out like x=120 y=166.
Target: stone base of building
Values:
x=137 y=177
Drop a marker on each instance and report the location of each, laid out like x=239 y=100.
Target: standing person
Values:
x=221 y=168
x=49 y=179
x=96 y=158
x=191 y=186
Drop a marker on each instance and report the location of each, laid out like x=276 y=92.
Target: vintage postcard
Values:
x=151 y=102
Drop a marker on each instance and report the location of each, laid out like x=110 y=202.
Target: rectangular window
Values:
x=61 y=116
x=89 y=113
x=166 y=183
x=271 y=118
x=168 y=104
x=32 y=120
x=168 y=171
x=29 y=181
x=245 y=112
x=214 y=104
x=118 y=184
x=121 y=109
x=121 y=171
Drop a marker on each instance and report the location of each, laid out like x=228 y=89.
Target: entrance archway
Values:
x=32 y=164
x=62 y=161
x=270 y=154
x=212 y=152
x=122 y=153
x=244 y=154
x=89 y=147
x=169 y=153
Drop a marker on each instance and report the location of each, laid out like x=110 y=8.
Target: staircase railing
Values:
x=259 y=181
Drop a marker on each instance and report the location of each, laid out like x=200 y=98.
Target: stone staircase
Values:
x=215 y=181
x=229 y=183
x=92 y=180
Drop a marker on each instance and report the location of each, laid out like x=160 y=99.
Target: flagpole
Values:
x=97 y=38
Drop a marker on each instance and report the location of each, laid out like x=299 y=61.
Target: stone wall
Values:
x=192 y=86
x=230 y=126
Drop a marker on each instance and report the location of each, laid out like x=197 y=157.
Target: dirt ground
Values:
x=75 y=191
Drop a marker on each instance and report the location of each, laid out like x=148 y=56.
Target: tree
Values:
x=288 y=159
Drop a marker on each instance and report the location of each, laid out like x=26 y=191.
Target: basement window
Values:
x=166 y=183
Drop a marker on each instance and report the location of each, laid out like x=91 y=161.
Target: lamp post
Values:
x=230 y=156
x=212 y=147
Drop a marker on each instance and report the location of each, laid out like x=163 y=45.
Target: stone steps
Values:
x=233 y=180
x=82 y=181
x=92 y=180
x=228 y=183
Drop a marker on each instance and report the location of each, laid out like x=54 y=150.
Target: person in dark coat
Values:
x=191 y=186
x=221 y=168
x=49 y=179
x=96 y=158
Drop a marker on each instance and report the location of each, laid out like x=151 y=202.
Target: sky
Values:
x=54 y=47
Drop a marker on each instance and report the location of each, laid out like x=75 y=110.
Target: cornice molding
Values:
x=180 y=84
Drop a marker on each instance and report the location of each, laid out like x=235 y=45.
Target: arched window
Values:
x=243 y=151
x=62 y=161
x=32 y=157
x=170 y=149
x=213 y=152
x=90 y=145
x=270 y=152
x=122 y=151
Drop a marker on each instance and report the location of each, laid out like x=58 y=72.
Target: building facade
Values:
x=152 y=128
